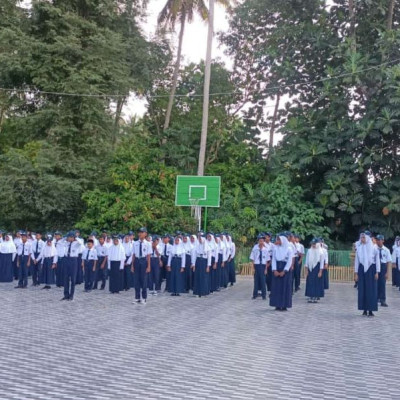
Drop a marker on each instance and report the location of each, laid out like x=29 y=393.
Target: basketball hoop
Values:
x=196 y=210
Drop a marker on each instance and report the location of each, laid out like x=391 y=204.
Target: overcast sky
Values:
x=194 y=43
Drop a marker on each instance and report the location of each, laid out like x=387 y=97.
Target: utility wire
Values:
x=271 y=89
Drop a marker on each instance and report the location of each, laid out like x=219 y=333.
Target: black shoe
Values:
x=370 y=314
x=384 y=304
x=64 y=298
x=284 y=309
x=102 y=288
x=231 y=284
x=364 y=313
x=44 y=287
x=264 y=298
x=254 y=298
x=95 y=288
x=18 y=287
x=48 y=287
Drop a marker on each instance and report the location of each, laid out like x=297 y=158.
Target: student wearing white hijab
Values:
x=231 y=260
x=220 y=259
x=47 y=261
x=396 y=262
x=281 y=285
x=367 y=266
x=201 y=264
x=8 y=253
x=226 y=250
x=188 y=246
x=116 y=261
x=214 y=284
x=176 y=267
x=313 y=272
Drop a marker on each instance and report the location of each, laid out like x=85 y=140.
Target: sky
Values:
x=193 y=48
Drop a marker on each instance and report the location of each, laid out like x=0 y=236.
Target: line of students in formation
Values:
x=202 y=263
x=277 y=268
x=372 y=262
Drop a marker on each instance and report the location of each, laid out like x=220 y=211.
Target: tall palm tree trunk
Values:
x=389 y=21
x=175 y=75
x=206 y=94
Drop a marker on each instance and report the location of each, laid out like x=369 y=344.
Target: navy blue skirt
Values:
x=115 y=275
x=201 y=279
x=281 y=288
x=367 y=289
x=314 y=284
x=176 y=283
x=47 y=274
x=6 y=267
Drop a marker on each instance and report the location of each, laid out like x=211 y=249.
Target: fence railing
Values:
x=341 y=264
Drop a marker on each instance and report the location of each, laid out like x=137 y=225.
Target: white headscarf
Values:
x=281 y=251
x=365 y=252
x=178 y=249
x=188 y=246
x=313 y=257
x=49 y=251
x=8 y=246
x=202 y=246
x=221 y=246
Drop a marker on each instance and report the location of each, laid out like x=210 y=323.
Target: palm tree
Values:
x=206 y=93
x=181 y=11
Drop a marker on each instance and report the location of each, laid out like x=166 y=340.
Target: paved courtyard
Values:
x=225 y=346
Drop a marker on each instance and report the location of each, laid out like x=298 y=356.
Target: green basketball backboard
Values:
x=202 y=191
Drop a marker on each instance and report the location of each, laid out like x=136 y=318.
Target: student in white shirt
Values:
x=37 y=245
x=47 y=261
x=116 y=261
x=260 y=258
x=385 y=259
x=23 y=261
x=8 y=253
x=367 y=266
x=141 y=266
x=89 y=263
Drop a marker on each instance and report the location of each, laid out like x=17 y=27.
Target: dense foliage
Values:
x=323 y=76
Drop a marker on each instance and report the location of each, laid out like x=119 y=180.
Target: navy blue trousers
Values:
x=70 y=266
x=100 y=274
x=154 y=276
x=382 y=284
x=35 y=271
x=296 y=273
x=140 y=277
x=259 y=281
x=23 y=271
x=89 y=274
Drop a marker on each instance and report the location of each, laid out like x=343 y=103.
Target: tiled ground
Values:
x=225 y=346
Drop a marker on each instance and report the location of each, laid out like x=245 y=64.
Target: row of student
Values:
x=277 y=268
x=372 y=262
x=202 y=263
